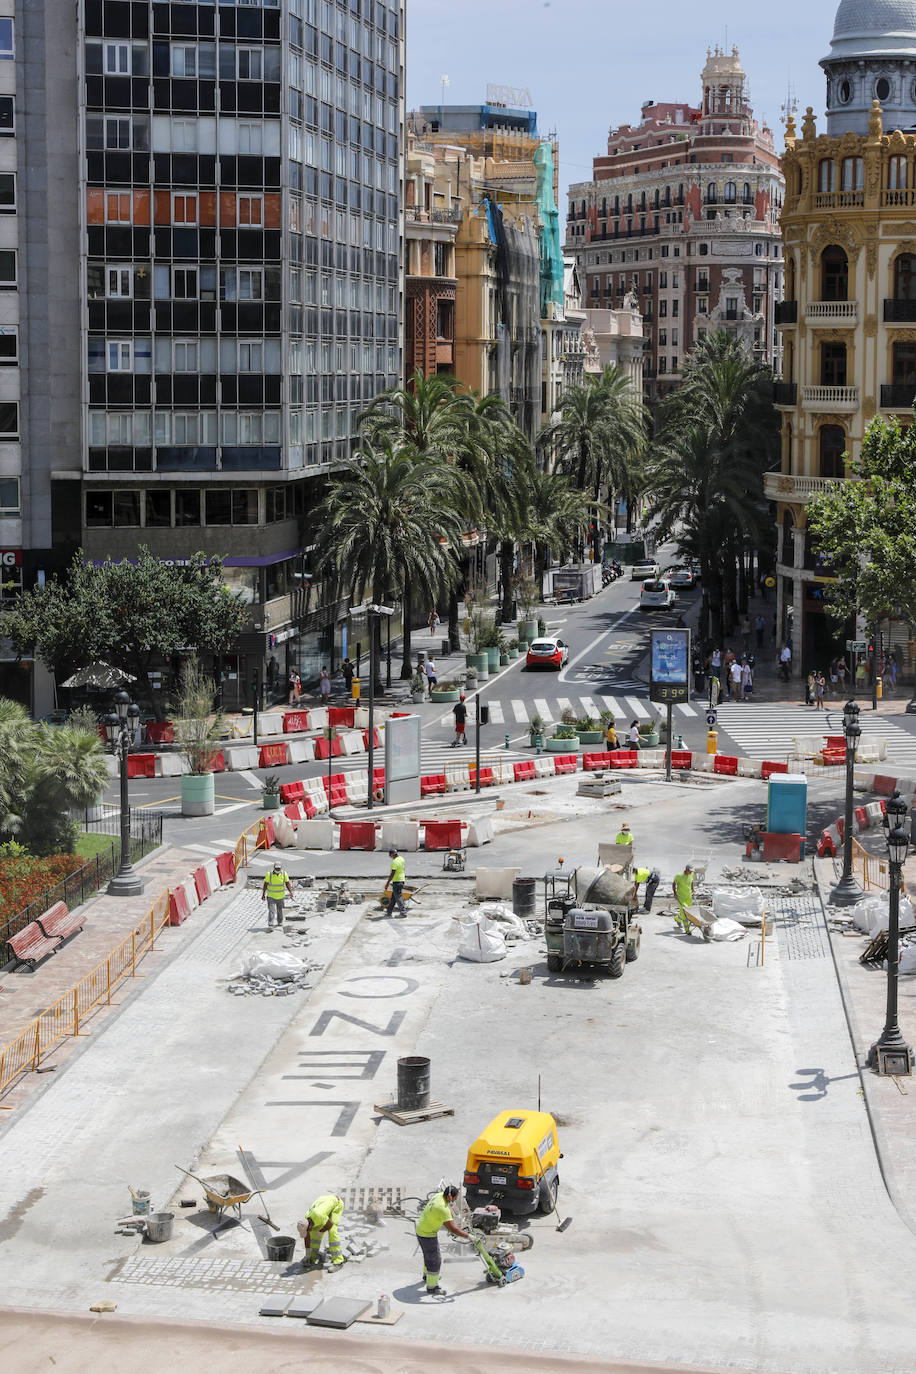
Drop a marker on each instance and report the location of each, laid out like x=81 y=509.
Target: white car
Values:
x=656 y=595
x=680 y=577
x=645 y=568
x=547 y=653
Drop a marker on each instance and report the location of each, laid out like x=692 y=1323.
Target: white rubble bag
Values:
x=743 y=904
x=908 y=959
x=505 y=920
x=479 y=940
x=872 y=914
x=271 y=965
x=723 y=928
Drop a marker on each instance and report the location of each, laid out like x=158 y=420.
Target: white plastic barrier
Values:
x=300 y=750
x=318 y=718
x=480 y=832
x=112 y=767
x=170 y=766
x=457 y=777
x=863 y=778
x=403 y=835
x=269 y=723
x=212 y=873
x=190 y=892
x=315 y=835
x=704 y=763
x=494 y=883
x=747 y=768
x=284 y=832
x=906 y=787
x=357 y=785
x=241 y=756
x=351 y=742
x=361 y=718
x=651 y=758
x=544 y=768
x=315 y=792
x=874 y=813
x=241 y=729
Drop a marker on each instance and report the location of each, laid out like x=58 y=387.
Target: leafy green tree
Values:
x=129 y=615
x=386 y=525
x=866 y=530
x=197 y=726
x=45 y=774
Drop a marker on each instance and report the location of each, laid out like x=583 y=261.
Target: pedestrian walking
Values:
x=633 y=736
x=347 y=670
x=460 y=712
x=892 y=671
x=759 y=628
x=396 y=876
x=436 y=1214
x=841 y=675
x=735 y=680
x=610 y=736
x=322 y=1219
x=682 y=887
x=819 y=688
x=432 y=676
x=785 y=662
x=651 y=877
x=433 y=621
x=324 y=686
x=809 y=690
x=275 y=888
x=295 y=688
x=747 y=680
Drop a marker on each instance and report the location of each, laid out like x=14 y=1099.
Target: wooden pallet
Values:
x=875 y=952
x=402 y=1117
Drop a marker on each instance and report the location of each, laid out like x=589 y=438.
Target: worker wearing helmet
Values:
x=321 y=1219
x=436 y=1214
x=276 y=887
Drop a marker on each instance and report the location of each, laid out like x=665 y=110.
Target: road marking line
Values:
x=543 y=710
x=563 y=674
x=520 y=711
x=612 y=706
x=590 y=708
x=236 y=806
x=496 y=713
x=564 y=704
x=686 y=710
x=250 y=778
x=637 y=707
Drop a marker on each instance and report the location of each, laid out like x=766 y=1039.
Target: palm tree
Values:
x=385 y=527
x=16 y=737
x=66 y=772
x=557 y=513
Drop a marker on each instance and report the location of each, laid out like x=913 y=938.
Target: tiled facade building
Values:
x=211 y=200
x=683 y=211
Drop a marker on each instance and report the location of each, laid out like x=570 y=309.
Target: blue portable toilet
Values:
x=787 y=804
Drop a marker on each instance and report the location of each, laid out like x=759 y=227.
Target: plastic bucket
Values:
x=139 y=1202
x=280 y=1247
x=524 y=897
x=159 y=1225
x=413 y=1082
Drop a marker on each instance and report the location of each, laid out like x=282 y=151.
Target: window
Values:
x=7 y=192
x=184 y=283
x=189 y=59
x=184 y=209
x=251 y=357
x=9 y=496
x=7 y=115
x=826 y=176
x=187 y=507
x=241 y=284
x=9 y=420
x=118 y=207
x=833 y=364
x=852 y=171
x=250 y=64
x=834 y=274
x=251 y=139
x=882 y=88
x=904 y=364
x=712 y=193
x=116 y=59
x=7 y=267
x=251 y=211
x=896 y=174
x=905 y=277
x=731 y=193
x=7 y=52
x=158 y=509
x=98 y=509
x=832 y=448
x=119 y=283
x=250 y=427
x=119 y=356
x=186 y=355
x=9 y=345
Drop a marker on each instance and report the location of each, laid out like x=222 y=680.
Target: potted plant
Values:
x=588 y=731
x=270 y=795
x=536 y=730
x=542 y=626
x=565 y=739
x=417 y=687
x=512 y=649
x=526 y=594
x=197 y=729
x=445 y=691
x=648 y=733
x=469 y=679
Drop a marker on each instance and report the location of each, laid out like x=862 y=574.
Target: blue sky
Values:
x=590 y=64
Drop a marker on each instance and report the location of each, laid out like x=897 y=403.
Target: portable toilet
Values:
x=787 y=804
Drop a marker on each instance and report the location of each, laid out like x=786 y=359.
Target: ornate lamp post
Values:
x=847 y=891
x=890 y=1054
x=120 y=727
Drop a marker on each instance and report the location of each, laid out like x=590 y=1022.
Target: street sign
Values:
x=769 y=582
x=711 y=718
x=856 y=646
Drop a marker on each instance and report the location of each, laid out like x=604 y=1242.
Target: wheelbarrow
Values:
x=701 y=918
x=223 y=1192
x=408 y=893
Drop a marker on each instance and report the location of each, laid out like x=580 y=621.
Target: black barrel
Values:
x=280 y=1247
x=524 y=898
x=413 y=1082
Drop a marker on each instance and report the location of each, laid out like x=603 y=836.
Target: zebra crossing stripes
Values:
x=543 y=710
x=768 y=731
x=519 y=711
x=636 y=706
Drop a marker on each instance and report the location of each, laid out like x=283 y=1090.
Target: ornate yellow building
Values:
x=849 y=314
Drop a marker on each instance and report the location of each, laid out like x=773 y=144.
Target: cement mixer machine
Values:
x=590 y=920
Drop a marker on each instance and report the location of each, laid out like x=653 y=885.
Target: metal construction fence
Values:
x=873 y=872
x=78 y=887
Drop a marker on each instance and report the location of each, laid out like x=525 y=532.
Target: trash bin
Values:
x=446 y=648
x=524 y=898
x=413 y=1082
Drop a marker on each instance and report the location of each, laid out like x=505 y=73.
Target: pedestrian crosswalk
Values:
x=764 y=731
x=518 y=711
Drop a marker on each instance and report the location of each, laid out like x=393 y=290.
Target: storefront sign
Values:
x=11 y=558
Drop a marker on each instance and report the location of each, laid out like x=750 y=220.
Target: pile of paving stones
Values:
x=263 y=985
x=358 y=1243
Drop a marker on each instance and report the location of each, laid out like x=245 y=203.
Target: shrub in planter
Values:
x=417 y=687
x=566 y=731
x=560 y=744
x=270 y=796
x=535 y=728
x=542 y=626
x=504 y=660
x=569 y=717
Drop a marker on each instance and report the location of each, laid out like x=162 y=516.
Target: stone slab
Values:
x=339 y=1313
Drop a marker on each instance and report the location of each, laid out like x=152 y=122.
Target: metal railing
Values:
x=78 y=887
x=874 y=873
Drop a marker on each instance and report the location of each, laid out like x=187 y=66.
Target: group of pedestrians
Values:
x=726 y=673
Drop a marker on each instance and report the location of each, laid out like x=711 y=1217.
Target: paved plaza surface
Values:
x=727 y=1204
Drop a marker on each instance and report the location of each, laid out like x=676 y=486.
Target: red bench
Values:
x=725 y=764
x=433 y=784
x=565 y=763
x=32 y=945
x=59 y=922
x=768 y=769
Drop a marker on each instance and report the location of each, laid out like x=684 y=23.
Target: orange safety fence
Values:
x=252 y=835
x=873 y=872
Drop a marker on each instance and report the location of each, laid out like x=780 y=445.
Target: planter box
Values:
x=504 y=660
x=562 y=746
x=445 y=695
x=648 y=741
x=492 y=659
x=527 y=630
x=270 y=801
x=481 y=662
x=513 y=653
x=198 y=794
x=591 y=736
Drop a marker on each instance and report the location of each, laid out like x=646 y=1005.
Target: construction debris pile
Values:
x=358 y=1242
x=271 y=974
x=483 y=933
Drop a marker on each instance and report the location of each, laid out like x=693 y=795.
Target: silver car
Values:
x=645 y=570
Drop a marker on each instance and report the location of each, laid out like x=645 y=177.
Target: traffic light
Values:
x=484 y=712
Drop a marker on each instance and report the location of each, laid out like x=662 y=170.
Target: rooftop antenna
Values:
x=445 y=82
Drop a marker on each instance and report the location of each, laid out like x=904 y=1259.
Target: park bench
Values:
x=58 y=922
x=31 y=944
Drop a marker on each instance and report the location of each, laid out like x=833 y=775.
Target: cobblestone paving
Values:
x=800 y=927
x=242 y=1275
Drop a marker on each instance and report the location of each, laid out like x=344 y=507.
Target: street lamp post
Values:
x=120 y=727
x=847 y=891
x=891 y=1055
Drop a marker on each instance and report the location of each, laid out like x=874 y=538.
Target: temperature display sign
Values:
x=669 y=679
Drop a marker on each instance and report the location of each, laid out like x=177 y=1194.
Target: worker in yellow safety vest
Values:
x=436 y=1214
x=397 y=874
x=276 y=886
x=322 y=1219
x=682 y=887
x=624 y=835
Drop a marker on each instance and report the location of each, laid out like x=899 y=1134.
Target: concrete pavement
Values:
x=723 y=1212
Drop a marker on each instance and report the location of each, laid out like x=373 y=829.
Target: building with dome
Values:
x=848 y=320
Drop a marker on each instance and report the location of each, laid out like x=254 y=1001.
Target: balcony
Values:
x=899 y=312
x=415 y=214
x=842 y=313
x=898 y=395
x=840 y=399
x=786 y=312
x=903 y=198
x=781 y=486
x=838 y=200
x=785 y=393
